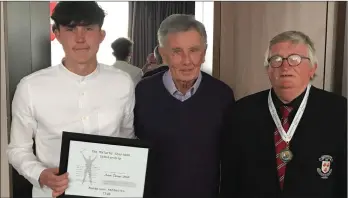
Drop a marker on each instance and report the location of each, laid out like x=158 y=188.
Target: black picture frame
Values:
x=72 y=136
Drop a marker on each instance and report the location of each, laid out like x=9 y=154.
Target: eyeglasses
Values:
x=293 y=60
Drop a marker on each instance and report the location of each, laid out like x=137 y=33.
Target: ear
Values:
x=57 y=34
x=162 y=52
x=102 y=35
x=312 y=70
x=204 y=53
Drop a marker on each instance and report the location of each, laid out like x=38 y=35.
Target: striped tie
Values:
x=280 y=144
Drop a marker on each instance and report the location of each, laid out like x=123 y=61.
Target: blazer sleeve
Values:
x=342 y=162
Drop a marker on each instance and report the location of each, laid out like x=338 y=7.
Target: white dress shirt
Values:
x=135 y=72
x=53 y=100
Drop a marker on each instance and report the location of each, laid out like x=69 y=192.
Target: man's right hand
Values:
x=57 y=183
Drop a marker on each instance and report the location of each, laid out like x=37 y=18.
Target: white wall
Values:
x=5 y=176
x=205 y=13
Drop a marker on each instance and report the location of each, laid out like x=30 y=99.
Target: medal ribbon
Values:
x=287 y=136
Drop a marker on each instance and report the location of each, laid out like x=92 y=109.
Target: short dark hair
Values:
x=122 y=47
x=82 y=13
x=157 y=55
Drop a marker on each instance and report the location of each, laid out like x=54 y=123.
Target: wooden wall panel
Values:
x=247 y=27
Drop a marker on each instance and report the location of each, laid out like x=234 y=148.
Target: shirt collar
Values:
x=295 y=104
x=77 y=77
x=170 y=85
x=121 y=61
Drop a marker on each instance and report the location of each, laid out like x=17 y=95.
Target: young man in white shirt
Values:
x=79 y=95
x=122 y=50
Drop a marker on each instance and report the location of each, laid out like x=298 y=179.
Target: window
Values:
x=115 y=25
x=208 y=20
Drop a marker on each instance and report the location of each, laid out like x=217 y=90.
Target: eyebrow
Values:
x=193 y=47
x=272 y=55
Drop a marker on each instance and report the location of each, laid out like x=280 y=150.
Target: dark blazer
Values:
x=249 y=163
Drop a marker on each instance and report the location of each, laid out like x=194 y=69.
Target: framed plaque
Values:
x=101 y=166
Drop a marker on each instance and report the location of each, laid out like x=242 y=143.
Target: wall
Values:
x=27 y=50
x=246 y=28
x=29 y=38
x=204 y=12
x=5 y=175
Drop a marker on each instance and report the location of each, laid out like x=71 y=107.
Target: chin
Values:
x=286 y=86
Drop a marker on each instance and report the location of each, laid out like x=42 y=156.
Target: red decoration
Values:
x=52 y=6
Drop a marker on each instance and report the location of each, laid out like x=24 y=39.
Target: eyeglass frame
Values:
x=287 y=60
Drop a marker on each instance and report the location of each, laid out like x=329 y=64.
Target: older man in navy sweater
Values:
x=182 y=113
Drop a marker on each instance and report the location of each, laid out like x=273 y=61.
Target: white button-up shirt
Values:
x=53 y=100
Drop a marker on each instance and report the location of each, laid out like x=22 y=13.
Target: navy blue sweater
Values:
x=185 y=136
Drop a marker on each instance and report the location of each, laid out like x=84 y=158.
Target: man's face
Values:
x=80 y=43
x=290 y=78
x=184 y=52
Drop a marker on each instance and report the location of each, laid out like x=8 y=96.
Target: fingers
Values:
x=58 y=178
x=57 y=193
x=61 y=183
x=60 y=188
x=58 y=183
x=54 y=179
x=55 y=170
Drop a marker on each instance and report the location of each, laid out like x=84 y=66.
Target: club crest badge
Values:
x=325 y=170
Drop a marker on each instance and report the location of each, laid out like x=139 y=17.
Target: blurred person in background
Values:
x=150 y=64
x=161 y=64
x=122 y=50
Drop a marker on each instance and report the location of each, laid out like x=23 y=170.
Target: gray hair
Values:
x=180 y=23
x=294 y=37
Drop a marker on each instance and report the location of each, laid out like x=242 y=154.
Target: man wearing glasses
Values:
x=291 y=140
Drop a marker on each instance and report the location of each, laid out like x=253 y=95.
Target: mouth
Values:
x=81 y=49
x=286 y=75
x=186 y=70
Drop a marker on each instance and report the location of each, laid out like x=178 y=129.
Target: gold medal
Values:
x=286 y=155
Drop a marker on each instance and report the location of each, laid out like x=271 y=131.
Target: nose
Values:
x=285 y=65
x=186 y=58
x=80 y=34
